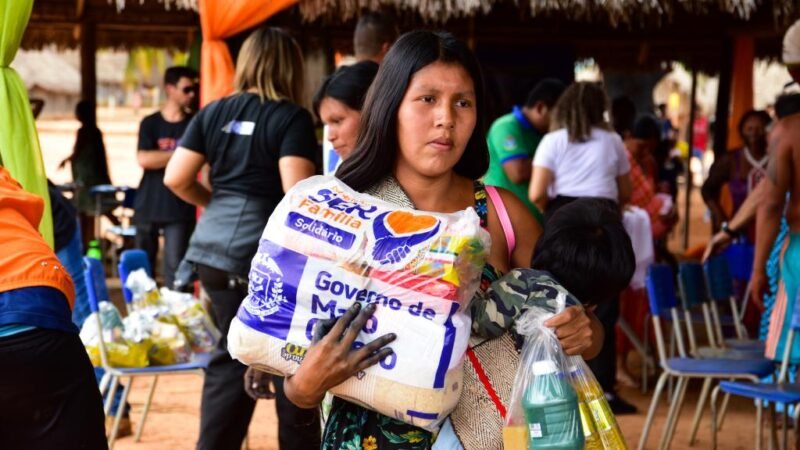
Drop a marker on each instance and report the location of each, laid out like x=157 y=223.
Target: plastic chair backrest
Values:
x=692 y=284
x=718 y=278
x=130 y=260
x=95 y=282
x=740 y=257
x=661 y=289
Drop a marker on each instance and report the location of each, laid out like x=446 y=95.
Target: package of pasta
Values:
x=326 y=247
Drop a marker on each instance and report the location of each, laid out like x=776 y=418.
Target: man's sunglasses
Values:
x=189 y=89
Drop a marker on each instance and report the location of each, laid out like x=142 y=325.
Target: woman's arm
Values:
x=526 y=229
x=294 y=169
x=181 y=177
x=541 y=180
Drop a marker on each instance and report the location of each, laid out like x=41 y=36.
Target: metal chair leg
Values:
x=149 y=401
x=648 y=422
x=698 y=413
x=713 y=404
x=785 y=445
x=104 y=383
x=759 y=423
x=773 y=432
x=723 y=410
x=118 y=416
x=111 y=393
x=669 y=432
x=646 y=361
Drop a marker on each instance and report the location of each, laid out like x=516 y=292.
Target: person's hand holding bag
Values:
x=331 y=358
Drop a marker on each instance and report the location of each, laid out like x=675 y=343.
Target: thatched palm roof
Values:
x=118 y=23
x=614 y=11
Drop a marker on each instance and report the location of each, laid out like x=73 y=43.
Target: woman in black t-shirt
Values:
x=258 y=143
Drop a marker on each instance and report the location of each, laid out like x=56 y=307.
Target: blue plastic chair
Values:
x=129 y=261
x=691 y=280
x=740 y=256
x=780 y=392
x=664 y=302
x=115 y=375
x=719 y=282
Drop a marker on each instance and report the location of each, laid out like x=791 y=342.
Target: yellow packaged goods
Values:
x=120 y=352
x=600 y=427
x=326 y=247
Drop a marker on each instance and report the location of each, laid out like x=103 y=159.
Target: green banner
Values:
x=20 y=152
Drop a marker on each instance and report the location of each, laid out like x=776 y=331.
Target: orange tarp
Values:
x=741 y=87
x=220 y=19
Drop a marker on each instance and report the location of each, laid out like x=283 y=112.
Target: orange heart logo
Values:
x=402 y=222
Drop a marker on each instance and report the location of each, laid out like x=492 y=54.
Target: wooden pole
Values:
x=723 y=99
x=688 y=168
x=88 y=61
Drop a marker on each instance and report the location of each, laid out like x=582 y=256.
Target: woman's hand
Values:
x=331 y=358
x=574 y=330
x=257 y=384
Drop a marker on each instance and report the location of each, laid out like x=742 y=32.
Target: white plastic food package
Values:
x=325 y=247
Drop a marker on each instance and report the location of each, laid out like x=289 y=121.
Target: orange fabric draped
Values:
x=741 y=87
x=220 y=19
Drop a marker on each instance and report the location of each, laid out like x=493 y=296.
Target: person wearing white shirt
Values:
x=582 y=158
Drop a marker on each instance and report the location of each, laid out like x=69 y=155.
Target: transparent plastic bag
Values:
x=144 y=290
x=167 y=343
x=193 y=319
x=120 y=351
x=324 y=248
x=600 y=427
x=543 y=410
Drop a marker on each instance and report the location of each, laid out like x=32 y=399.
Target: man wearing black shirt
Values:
x=158 y=210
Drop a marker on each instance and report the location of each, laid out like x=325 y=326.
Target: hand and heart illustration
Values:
x=397 y=231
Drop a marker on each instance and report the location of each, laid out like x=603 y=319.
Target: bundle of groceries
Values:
x=324 y=248
x=162 y=327
x=556 y=402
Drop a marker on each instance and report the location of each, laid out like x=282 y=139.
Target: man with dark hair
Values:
x=375 y=33
x=157 y=208
x=514 y=137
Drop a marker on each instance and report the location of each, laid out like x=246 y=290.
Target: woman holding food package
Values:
x=258 y=143
x=421 y=145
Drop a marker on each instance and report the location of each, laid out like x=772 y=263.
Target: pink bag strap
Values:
x=505 y=220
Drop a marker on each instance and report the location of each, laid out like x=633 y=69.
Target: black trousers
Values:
x=226 y=409
x=604 y=365
x=176 y=242
x=48 y=393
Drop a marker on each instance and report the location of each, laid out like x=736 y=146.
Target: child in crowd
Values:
x=586 y=256
x=584 y=252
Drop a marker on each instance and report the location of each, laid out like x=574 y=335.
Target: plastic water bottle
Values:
x=94 y=250
x=582 y=388
x=551 y=410
x=593 y=403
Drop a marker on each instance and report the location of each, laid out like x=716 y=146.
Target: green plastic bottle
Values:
x=551 y=410
x=94 y=250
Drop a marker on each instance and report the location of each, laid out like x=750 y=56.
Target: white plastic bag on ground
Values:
x=325 y=247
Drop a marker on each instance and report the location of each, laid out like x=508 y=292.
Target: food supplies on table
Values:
x=324 y=248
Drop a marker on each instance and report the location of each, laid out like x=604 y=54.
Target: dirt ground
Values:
x=173 y=422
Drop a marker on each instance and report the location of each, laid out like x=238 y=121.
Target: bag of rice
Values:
x=325 y=247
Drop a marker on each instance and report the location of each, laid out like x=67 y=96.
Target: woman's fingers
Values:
x=322 y=328
x=373 y=359
x=344 y=322
x=354 y=327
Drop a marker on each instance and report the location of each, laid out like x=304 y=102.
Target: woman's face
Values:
x=436 y=119
x=754 y=133
x=342 y=122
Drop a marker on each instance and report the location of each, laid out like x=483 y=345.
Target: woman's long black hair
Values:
x=377 y=148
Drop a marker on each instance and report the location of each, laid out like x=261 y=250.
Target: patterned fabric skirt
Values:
x=781 y=315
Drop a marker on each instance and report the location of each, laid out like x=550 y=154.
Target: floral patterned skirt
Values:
x=352 y=427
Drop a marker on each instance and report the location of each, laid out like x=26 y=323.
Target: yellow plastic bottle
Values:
x=515 y=437
x=606 y=432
